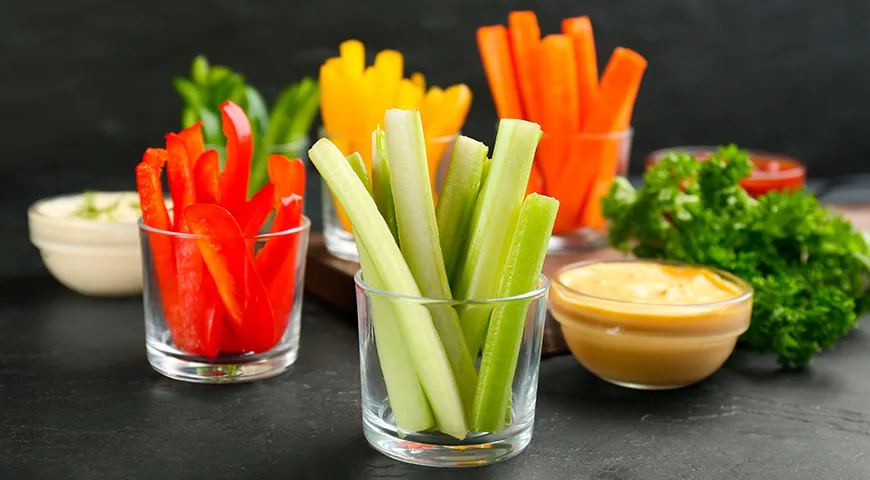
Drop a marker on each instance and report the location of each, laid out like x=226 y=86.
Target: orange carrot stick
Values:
x=611 y=113
x=580 y=30
x=618 y=90
x=559 y=119
x=525 y=36
x=495 y=53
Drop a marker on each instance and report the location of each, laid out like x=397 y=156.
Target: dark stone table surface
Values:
x=79 y=400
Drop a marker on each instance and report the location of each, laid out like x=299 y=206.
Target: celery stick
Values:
x=418 y=235
x=359 y=168
x=457 y=197
x=494 y=221
x=407 y=399
x=487 y=164
x=505 y=333
x=421 y=339
x=381 y=182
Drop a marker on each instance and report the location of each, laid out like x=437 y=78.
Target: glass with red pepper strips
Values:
x=222 y=286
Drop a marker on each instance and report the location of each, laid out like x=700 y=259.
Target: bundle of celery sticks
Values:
x=485 y=239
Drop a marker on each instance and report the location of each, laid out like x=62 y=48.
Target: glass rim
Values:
x=619 y=134
x=305 y=227
x=443 y=139
x=798 y=170
x=747 y=290
x=540 y=291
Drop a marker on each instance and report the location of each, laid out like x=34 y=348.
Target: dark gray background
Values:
x=85 y=85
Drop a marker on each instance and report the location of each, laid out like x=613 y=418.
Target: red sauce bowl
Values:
x=773 y=171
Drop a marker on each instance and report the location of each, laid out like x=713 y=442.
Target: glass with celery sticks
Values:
x=577 y=170
x=222 y=291
x=336 y=227
x=397 y=420
x=445 y=283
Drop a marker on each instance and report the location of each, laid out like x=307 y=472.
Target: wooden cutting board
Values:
x=331 y=278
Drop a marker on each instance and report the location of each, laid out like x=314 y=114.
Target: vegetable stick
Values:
x=493 y=223
x=536 y=181
x=560 y=116
x=580 y=30
x=525 y=36
x=492 y=41
x=431 y=112
x=505 y=334
x=455 y=103
x=619 y=86
x=560 y=99
x=618 y=90
x=407 y=399
x=419 y=80
x=381 y=189
x=389 y=66
x=457 y=198
x=353 y=57
x=410 y=95
x=418 y=235
x=418 y=331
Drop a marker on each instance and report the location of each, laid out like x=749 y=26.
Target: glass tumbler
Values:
x=336 y=227
x=397 y=420
x=232 y=317
x=562 y=170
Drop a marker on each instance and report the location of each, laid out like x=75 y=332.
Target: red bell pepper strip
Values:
x=237 y=170
x=205 y=177
x=229 y=260
x=230 y=342
x=277 y=261
x=155 y=215
x=179 y=172
x=287 y=175
x=193 y=141
x=200 y=307
x=155 y=156
x=257 y=209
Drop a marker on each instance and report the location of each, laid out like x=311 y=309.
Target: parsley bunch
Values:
x=808 y=265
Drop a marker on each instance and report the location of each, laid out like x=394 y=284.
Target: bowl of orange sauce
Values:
x=772 y=171
x=650 y=324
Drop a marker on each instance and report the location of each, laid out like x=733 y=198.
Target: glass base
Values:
x=235 y=369
x=439 y=450
x=582 y=240
x=340 y=243
x=643 y=386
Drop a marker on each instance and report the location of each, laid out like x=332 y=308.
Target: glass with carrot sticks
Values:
x=353 y=100
x=553 y=81
x=222 y=286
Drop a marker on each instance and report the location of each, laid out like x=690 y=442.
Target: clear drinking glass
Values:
x=189 y=332
x=378 y=336
x=336 y=227
x=562 y=162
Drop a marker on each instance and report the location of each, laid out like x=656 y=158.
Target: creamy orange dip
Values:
x=650 y=283
x=650 y=324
